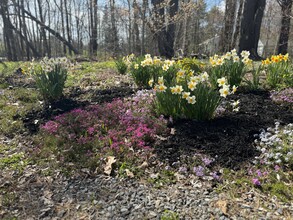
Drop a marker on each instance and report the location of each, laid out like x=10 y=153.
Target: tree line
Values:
x=92 y=28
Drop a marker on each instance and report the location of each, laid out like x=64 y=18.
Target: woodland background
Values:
x=101 y=29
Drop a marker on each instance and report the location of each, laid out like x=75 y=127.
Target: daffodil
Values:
x=176 y=89
x=161 y=80
x=195 y=79
x=221 y=81
x=286 y=57
x=165 y=67
x=224 y=91
x=191 y=85
x=136 y=66
x=151 y=82
x=234 y=89
x=191 y=99
x=147 y=56
x=235 y=104
x=204 y=76
x=162 y=88
x=220 y=61
x=245 y=54
x=236 y=59
x=181 y=73
x=185 y=95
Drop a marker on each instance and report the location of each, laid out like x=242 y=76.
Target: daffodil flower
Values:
x=224 y=91
x=221 y=81
x=191 y=99
x=191 y=85
x=162 y=88
x=185 y=95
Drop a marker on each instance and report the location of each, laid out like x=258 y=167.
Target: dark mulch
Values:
x=228 y=138
x=68 y=104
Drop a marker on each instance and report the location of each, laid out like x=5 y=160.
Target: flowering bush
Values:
x=122 y=128
x=230 y=65
x=277 y=68
x=50 y=77
x=190 y=96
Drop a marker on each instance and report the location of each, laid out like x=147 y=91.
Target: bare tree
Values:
x=286 y=8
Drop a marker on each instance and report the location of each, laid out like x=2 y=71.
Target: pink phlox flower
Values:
x=256 y=182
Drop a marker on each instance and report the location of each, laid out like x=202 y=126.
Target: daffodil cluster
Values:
x=49 y=64
x=191 y=95
x=229 y=65
x=278 y=70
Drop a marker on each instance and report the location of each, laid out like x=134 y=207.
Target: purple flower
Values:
x=182 y=169
x=256 y=182
x=207 y=161
x=215 y=176
x=199 y=171
x=259 y=173
x=277 y=168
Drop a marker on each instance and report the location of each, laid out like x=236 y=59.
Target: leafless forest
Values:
x=103 y=29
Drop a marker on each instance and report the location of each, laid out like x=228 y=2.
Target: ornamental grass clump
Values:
x=125 y=129
x=230 y=66
x=278 y=70
x=190 y=96
x=50 y=76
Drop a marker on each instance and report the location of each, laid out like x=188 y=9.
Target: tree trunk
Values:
x=237 y=27
x=229 y=21
x=166 y=35
x=250 y=27
x=286 y=6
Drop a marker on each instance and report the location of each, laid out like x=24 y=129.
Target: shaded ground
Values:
x=229 y=138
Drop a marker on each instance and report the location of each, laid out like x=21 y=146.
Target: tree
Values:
x=229 y=21
x=286 y=7
x=165 y=33
x=250 y=27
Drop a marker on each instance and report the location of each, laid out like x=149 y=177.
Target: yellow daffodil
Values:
x=136 y=66
x=234 y=52
x=151 y=82
x=191 y=73
x=147 y=56
x=191 y=99
x=286 y=57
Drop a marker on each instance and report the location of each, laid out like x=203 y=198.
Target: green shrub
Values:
x=121 y=66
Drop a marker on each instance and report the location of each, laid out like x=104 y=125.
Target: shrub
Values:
x=230 y=66
x=50 y=77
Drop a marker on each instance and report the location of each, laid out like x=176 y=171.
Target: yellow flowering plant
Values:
x=230 y=65
x=277 y=70
x=190 y=96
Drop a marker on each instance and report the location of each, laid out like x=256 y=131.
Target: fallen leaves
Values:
x=108 y=167
x=222 y=204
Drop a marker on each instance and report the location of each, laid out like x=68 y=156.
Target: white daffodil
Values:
x=185 y=95
x=221 y=81
x=191 y=100
x=191 y=85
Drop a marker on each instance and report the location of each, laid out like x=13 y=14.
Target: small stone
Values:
x=152 y=214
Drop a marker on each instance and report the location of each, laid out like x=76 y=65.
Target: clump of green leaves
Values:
x=50 y=77
x=121 y=65
x=169 y=215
